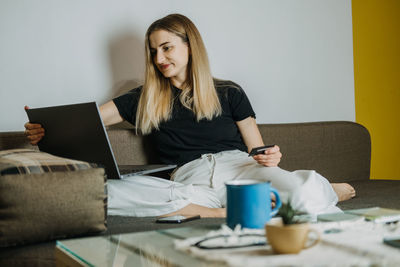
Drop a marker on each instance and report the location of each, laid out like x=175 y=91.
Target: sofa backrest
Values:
x=340 y=151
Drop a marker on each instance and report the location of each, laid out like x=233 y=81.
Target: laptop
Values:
x=76 y=131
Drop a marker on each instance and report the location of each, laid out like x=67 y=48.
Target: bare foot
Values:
x=220 y=212
x=344 y=191
x=273 y=200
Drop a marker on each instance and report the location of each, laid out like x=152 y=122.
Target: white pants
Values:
x=202 y=182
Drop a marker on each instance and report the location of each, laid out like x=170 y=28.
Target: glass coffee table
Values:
x=356 y=244
x=152 y=248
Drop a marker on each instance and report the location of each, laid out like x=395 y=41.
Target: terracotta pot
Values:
x=287 y=239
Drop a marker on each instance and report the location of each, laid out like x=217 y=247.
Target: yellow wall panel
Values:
x=376 y=41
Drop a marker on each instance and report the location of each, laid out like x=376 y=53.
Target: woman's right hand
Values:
x=33 y=131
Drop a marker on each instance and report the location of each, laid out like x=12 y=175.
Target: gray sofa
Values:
x=340 y=151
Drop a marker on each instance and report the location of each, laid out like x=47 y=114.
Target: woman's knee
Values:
x=280 y=179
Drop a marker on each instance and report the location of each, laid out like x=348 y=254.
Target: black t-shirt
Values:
x=182 y=138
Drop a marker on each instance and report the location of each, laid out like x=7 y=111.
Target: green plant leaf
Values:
x=287 y=213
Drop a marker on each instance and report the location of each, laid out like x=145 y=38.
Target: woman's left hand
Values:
x=271 y=157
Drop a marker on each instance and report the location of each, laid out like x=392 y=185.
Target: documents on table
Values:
x=377 y=214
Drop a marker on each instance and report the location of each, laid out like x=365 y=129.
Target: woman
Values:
x=204 y=125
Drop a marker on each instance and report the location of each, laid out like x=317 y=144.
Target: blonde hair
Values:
x=198 y=92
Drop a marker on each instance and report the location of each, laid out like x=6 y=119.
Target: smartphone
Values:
x=177 y=219
x=392 y=241
x=259 y=150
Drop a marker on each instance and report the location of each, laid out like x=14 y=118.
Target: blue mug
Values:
x=249 y=203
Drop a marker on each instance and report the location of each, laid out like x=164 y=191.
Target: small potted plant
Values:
x=290 y=234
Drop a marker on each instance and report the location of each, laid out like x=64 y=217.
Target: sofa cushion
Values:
x=43 y=197
x=374 y=193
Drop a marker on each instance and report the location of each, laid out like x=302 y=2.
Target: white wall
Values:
x=293 y=58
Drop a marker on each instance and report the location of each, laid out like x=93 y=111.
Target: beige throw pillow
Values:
x=49 y=204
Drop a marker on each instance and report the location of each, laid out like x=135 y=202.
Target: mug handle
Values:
x=278 y=202
x=316 y=241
